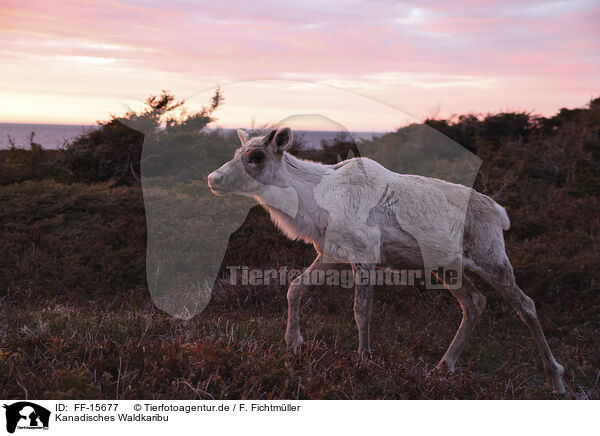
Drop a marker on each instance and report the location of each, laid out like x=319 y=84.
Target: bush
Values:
x=114 y=151
x=19 y=164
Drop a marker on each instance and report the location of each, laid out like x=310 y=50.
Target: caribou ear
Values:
x=282 y=140
x=243 y=136
x=269 y=136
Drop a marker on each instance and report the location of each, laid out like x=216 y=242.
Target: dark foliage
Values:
x=114 y=151
x=342 y=147
x=19 y=164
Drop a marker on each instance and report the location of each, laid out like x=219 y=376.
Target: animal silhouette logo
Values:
x=26 y=415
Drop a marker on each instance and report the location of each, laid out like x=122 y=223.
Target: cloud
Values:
x=380 y=48
x=94 y=60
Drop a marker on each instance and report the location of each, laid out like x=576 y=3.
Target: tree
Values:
x=114 y=151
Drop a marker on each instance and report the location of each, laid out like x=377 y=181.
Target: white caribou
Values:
x=358 y=212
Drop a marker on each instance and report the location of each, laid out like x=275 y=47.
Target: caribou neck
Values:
x=294 y=209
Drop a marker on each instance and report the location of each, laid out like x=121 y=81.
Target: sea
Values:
x=54 y=136
x=50 y=136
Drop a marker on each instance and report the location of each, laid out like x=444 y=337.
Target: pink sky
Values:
x=72 y=61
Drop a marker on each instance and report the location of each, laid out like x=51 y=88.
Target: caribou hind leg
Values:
x=501 y=276
x=472 y=303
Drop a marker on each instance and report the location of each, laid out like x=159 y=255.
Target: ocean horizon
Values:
x=54 y=136
x=50 y=136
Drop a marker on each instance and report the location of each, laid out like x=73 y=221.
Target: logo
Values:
x=26 y=415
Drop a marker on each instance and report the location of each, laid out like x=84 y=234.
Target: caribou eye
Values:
x=256 y=156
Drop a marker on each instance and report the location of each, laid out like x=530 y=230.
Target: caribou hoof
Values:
x=294 y=342
x=444 y=366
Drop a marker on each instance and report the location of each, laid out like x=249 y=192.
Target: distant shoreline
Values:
x=53 y=136
x=50 y=136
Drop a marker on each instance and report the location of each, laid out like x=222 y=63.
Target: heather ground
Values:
x=77 y=320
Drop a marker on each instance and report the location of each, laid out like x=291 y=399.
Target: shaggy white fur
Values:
x=360 y=213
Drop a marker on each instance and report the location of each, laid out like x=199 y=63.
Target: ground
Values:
x=77 y=320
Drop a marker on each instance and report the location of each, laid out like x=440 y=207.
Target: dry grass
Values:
x=77 y=320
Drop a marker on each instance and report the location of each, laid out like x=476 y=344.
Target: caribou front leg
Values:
x=293 y=338
x=363 y=301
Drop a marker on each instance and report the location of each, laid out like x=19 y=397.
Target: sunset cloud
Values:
x=64 y=61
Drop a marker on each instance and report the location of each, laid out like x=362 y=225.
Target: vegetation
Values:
x=77 y=321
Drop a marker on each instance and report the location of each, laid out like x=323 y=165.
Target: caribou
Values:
x=357 y=212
